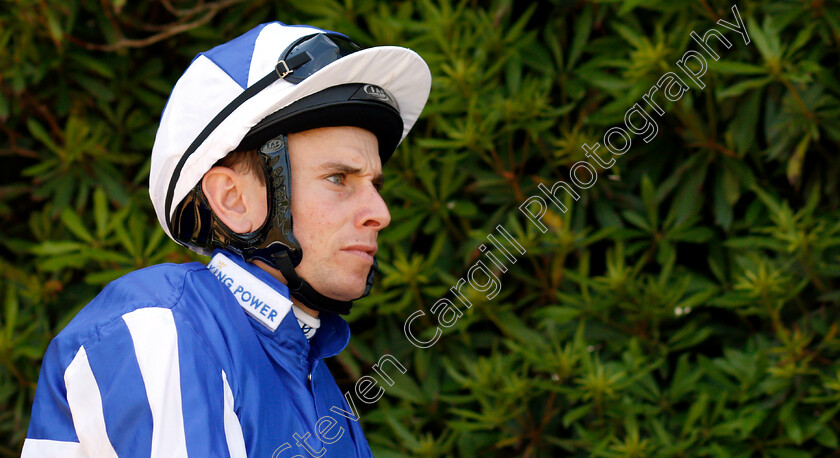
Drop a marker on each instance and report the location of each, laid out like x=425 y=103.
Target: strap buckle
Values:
x=286 y=71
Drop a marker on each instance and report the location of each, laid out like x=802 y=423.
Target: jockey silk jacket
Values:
x=194 y=360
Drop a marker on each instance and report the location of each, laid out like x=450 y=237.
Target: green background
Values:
x=685 y=306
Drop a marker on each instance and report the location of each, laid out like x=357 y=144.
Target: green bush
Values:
x=685 y=305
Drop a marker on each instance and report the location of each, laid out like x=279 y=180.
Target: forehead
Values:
x=352 y=146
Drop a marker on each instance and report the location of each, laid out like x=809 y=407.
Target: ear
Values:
x=237 y=199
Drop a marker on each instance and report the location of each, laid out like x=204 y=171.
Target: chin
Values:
x=338 y=282
x=343 y=291
x=352 y=294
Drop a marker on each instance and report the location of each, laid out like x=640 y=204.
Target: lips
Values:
x=366 y=252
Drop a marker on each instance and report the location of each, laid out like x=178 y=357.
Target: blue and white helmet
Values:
x=249 y=93
x=230 y=89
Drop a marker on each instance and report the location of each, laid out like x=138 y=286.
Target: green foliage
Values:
x=686 y=305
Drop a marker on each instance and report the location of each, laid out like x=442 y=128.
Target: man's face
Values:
x=336 y=207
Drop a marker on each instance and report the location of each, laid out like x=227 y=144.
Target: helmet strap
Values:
x=301 y=290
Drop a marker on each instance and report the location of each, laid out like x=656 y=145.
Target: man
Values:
x=269 y=157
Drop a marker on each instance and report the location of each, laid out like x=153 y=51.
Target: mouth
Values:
x=366 y=252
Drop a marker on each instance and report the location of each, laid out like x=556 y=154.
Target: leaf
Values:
x=65 y=185
x=636 y=219
x=736 y=68
x=751 y=420
x=464 y=208
x=629 y=5
x=745 y=123
x=651 y=204
x=583 y=27
x=684 y=379
x=630 y=35
x=697 y=409
x=405 y=388
x=100 y=213
x=62 y=262
x=52 y=248
x=515 y=328
x=743 y=86
x=403 y=433
x=38 y=131
x=827 y=438
x=11 y=308
x=404 y=228
x=53 y=26
x=761 y=40
x=559 y=314
x=125 y=239
x=802 y=38
x=794 y=165
x=107 y=256
x=72 y=221
x=791 y=422
x=95 y=65
x=685 y=339
x=722 y=207
x=693 y=235
x=576 y=414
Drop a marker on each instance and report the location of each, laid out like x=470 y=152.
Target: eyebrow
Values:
x=341 y=167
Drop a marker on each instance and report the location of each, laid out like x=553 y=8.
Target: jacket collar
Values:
x=265 y=301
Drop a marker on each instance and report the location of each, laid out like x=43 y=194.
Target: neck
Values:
x=276 y=274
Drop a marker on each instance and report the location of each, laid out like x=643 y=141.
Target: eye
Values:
x=337 y=178
x=378 y=182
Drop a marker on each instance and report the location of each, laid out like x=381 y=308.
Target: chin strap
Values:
x=308 y=296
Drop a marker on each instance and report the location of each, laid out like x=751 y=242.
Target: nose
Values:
x=374 y=212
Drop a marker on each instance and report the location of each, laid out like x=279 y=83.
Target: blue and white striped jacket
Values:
x=182 y=360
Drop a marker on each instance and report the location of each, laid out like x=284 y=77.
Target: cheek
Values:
x=311 y=223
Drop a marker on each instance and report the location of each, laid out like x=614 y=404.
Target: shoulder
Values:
x=133 y=356
x=161 y=285
x=142 y=293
